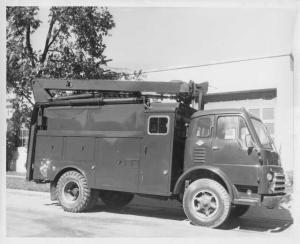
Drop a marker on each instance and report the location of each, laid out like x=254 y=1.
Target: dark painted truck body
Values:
x=112 y=147
x=214 y=161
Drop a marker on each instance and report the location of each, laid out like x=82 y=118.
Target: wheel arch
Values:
x=56 y=177
x=200 y=172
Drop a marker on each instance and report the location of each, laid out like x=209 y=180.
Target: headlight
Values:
x=270 y=176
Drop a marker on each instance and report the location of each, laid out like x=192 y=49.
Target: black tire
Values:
x=206 y=203
x=115 y=199
x=238 y=210
x=73 y=193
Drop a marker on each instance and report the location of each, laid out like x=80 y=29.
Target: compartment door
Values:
x=157 y=154
x=118 y=163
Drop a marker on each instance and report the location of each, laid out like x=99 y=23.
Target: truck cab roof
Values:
x=221 y=111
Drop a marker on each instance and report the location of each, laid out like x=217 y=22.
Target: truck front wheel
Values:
x=73 y=193
x=206 y=203
x=115 y=199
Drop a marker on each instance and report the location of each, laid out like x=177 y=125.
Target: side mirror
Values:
x=249 y=142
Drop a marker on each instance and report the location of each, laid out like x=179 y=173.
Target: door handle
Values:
x=215 y=148
x=145 y=149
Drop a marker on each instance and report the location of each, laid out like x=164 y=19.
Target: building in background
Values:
x=18 y=161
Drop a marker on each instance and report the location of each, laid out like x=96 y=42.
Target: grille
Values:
x=278 y=183
x=199 y=154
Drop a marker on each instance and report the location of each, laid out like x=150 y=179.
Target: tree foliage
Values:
x=73 y=48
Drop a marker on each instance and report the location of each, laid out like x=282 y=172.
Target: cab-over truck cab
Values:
x=111 y=141
x=233 y=148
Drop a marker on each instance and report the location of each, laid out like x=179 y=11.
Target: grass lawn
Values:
x=21 y=183
x=15 y=173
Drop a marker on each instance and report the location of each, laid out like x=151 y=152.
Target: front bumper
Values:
x=271 y=201
x=268 y=201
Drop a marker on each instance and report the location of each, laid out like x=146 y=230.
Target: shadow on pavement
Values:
x=146 y=211
x=138 y=210
x=258 y=224
x=263 y=219
x=256 y=219
x=52 y=204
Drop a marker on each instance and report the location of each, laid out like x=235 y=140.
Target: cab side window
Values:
x=227 y=127
x=203 y=126
x=158 y=125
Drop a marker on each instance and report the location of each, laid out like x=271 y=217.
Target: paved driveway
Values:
x=32 y=214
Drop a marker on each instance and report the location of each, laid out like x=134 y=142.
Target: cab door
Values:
x=198 y=142
x=231 y=154
x=156 y=154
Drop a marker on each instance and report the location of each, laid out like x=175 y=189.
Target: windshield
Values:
x=262 y=133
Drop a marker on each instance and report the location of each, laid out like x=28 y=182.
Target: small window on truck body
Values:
x=158 y=125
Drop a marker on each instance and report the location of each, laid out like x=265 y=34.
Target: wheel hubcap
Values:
x=205 y=203
x=71 y=191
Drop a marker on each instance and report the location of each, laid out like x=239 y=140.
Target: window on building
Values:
x=158 y=125
x=270 y=127
x=24 y=137
x=268 y=113
x=267 y=117
x=9 y=109
x=261 y=131
x=254 y=111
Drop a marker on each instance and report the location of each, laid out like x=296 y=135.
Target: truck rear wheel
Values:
x=73 y=192
x=206 y=203
x=238 y=210
x=115 y=199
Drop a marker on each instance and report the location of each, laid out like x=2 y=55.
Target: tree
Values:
x=73 y=48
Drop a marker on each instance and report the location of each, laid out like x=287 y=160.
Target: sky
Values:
x=151 y=38
x=161 y=37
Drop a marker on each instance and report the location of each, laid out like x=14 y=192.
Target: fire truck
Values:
x=112 y=140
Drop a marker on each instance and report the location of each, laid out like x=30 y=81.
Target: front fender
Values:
x=205 y=169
